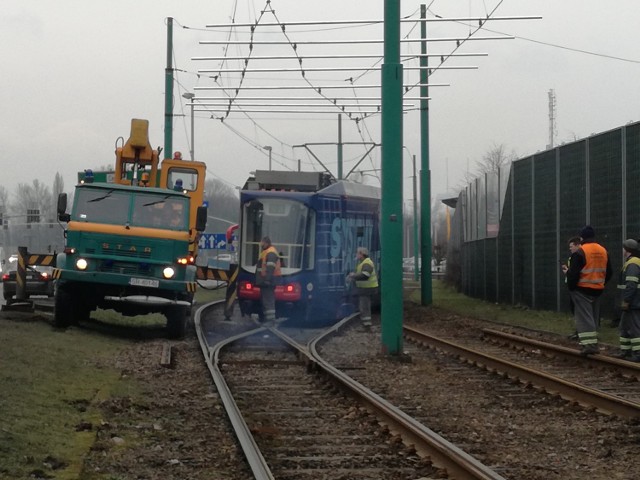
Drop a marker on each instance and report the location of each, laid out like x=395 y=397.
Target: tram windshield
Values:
x=289 y=224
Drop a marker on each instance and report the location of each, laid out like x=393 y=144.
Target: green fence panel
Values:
x=545 y=248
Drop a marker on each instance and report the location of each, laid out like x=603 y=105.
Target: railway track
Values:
x=514 y=427
x=557 y=370
x=297 y=416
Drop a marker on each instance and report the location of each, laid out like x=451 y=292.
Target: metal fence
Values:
x=541 y=201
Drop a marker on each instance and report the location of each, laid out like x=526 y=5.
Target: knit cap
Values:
x=587 y=232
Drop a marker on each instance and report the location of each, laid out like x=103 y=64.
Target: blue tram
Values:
x=316 y=223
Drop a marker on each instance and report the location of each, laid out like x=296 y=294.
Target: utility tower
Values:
x=552 y=118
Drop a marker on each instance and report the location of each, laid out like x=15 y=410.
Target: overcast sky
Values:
x=75 y=72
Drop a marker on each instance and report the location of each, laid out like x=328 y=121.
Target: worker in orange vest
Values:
x=267 y=275
x=589 y=271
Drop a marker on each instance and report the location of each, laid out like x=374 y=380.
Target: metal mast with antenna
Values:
x=552 y=118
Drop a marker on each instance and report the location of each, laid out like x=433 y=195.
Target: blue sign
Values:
x=216 y=241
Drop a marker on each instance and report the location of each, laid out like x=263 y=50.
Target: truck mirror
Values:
x=62 y=203
x=63 y=216
x=201 y=219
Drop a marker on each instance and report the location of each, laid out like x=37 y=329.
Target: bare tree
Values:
x=224 y=204
x=34 y=196
x=4 y=200
x=58 y=186
x=495 y=158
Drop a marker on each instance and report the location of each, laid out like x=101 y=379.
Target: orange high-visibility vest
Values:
x=594 y=271
x=263 y=261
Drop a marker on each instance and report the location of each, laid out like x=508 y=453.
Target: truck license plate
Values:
x=144 y=282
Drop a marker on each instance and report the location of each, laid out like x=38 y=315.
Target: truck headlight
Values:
x=81 y=264
x=168 y=272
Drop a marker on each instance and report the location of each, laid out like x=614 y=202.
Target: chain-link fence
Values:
x=541 y=201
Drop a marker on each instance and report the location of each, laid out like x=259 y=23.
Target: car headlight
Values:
x=168 y=272
x=81 y=264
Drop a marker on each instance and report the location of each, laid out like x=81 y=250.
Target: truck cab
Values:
x=131 y=238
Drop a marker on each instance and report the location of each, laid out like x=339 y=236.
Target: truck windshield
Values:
x=145 y=210
x=290 y=226
x=160 y=211
x=101 y=206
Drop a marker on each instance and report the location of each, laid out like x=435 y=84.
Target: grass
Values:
x=153 y=320
x=51 y=381
x=448 y=298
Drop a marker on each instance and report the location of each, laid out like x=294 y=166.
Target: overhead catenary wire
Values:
x=347 y=42
x=317 y=87
x=239 y=104
x=370 y=22
x=344 y=56
x=329 y=69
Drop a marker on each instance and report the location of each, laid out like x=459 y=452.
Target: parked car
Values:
x=39 y=281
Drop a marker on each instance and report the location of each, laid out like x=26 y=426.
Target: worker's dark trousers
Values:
x=268 y=303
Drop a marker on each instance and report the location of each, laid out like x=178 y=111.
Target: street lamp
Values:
x=268 y=148
x=190 y=96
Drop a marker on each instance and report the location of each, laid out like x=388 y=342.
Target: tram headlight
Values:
x=81 y=264
x=168 y=272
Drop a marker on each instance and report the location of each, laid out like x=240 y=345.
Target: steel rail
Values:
x=360 y=22
x=440 y=452
x=250 y=448
x=605 y=403
x=626 y=368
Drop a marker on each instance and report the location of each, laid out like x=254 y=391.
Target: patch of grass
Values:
x=205 y=295
x=50 y=383
x=449 y=299
x=153 y=320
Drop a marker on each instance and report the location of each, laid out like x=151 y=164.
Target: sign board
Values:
x=216 y=241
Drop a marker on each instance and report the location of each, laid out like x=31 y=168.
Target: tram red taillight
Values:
x=248 y=291
x=290 y=292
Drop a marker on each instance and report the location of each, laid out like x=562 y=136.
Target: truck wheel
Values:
x=63 y=311
x=176 y=321
x=82 y=313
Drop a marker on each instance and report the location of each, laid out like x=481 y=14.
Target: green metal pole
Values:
x=339 y=147
x=425 y=173
x=168 y=94
x=391 y=216
x=416 y=238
